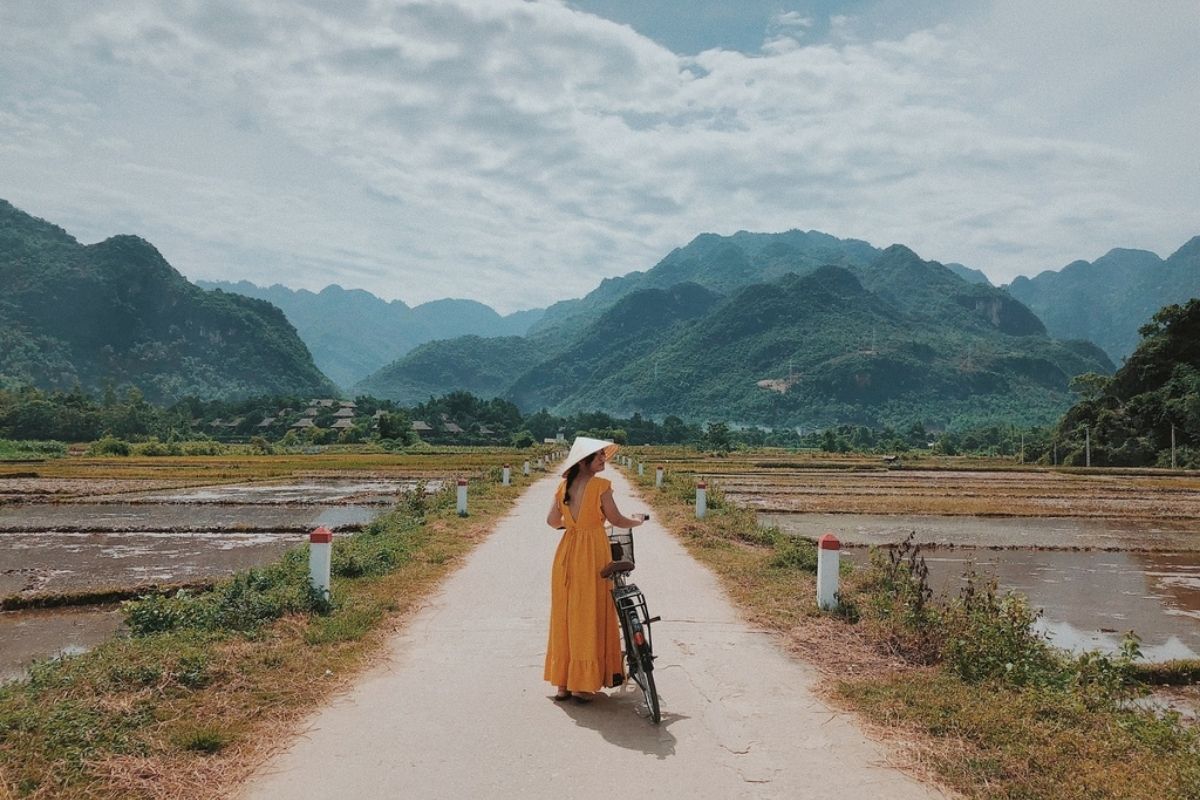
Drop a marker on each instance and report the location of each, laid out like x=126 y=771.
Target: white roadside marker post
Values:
x=462 y=497
x=506 y=475
x=526 y=469
x=641 y=469
x=320 y=559
x=701 y=499
x=658 y=478
x=828 y=562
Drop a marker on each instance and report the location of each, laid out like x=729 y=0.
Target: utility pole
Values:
x=1087 y=439
x=1055 y=459
x=1022 y=448
x=1172 y=445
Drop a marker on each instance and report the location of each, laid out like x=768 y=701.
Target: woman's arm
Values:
x=555 y=519
x=611 y=513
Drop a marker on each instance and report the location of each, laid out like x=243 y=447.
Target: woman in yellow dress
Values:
x=584 y=650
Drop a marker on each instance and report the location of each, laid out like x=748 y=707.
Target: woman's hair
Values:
x=572 y=472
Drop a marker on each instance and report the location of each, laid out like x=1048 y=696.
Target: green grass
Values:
x=12 y=450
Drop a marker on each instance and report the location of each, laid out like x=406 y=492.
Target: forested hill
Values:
x=816 y=349
x=1130 y=415
x=352 y=333
x=116 y=313
x=724 y=264
x=1109 y=299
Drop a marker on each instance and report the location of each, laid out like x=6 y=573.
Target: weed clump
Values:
x=240 y=604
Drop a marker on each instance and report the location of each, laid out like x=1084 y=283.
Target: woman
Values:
x=584 y=651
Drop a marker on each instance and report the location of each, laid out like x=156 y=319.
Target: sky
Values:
x=518 y=152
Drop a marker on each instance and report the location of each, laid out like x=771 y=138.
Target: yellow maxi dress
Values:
x=584 y=650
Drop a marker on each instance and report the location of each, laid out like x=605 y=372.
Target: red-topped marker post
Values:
x=506 y=475
x=320 y=559
x=701 y=499
x=462 y=497
x=829 y=551
x=658 y=477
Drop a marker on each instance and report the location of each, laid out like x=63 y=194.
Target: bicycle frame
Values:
x=635 y=620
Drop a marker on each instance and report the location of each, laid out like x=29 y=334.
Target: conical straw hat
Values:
x=583 y=447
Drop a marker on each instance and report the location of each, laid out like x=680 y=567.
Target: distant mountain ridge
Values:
x=352 y=333
x=1107 y=301
x=116 y=314
x=754 y=333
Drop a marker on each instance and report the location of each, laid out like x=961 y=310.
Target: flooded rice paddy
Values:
x=62 y=537
x=1100 y=555
x=29 y=636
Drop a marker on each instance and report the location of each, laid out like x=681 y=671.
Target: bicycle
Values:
x=634 y=617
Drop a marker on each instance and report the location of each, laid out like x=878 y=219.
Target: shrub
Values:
x=991 y=636
x=898 y=603
x=204 y=447
x=792 y=552
x=109 y=446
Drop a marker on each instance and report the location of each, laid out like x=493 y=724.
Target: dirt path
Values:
x=458 y=708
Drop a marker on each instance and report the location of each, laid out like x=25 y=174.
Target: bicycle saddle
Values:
x=616 y=566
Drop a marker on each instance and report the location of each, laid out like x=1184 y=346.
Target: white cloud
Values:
x=517 y=152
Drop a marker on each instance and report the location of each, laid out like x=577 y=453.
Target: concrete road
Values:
x=458 y=708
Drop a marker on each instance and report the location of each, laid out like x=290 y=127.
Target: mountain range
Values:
x=352 y=333
x=793 y=328
x=116 y=313
x=798 y=328
x=1108 y=300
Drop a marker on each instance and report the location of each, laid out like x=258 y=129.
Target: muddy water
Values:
x=29 y=636
x=312 y=492
x=1055 y=532
x=1089 y=597
x=178 y=516
x=64 y=562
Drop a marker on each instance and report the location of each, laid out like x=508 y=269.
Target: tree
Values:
x=395 y=425
x=718 y=437
x=1090 y=385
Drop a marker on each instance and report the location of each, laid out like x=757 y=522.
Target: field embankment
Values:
x=965 y=688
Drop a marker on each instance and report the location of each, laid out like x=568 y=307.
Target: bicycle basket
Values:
x=620 y=540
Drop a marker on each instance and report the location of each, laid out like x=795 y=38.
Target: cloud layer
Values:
x=518 y=152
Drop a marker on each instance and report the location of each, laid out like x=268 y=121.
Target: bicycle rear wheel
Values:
x=640 y=662
x=646 y=682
